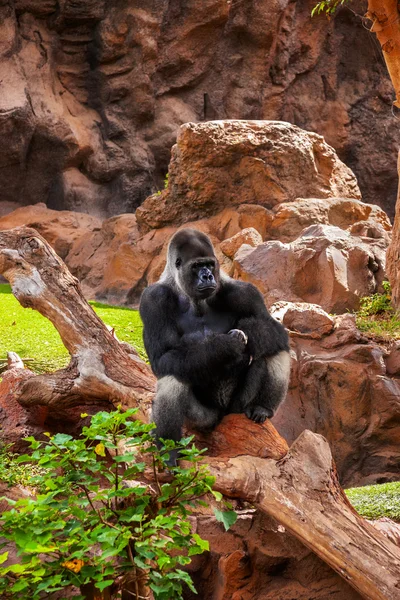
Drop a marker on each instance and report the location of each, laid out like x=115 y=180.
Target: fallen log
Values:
x=298 y=488
x=301 y=491
x=101 y=370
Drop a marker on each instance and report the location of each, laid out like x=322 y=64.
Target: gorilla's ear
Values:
x=178 y=262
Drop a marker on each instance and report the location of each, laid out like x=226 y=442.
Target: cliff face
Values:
x=92 y=91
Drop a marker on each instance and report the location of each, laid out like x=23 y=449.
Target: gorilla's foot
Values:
x=259 y=414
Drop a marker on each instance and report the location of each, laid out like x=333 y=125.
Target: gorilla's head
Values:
x=193 y=264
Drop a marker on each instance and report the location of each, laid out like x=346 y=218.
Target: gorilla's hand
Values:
x=239 y=335
x=258 y=413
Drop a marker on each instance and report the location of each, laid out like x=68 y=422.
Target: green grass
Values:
x=36 y=341
x=384 y=327
x=377 y=318
x=375 y=501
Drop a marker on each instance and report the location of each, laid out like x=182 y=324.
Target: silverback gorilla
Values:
x=211 y=342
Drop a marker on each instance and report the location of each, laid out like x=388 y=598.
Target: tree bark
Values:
x=102 y=370
x=385 y=16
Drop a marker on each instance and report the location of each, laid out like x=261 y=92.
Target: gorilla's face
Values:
x=193 y=262
x=199 y=278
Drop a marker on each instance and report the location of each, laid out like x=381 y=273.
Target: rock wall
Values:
x=93 y=92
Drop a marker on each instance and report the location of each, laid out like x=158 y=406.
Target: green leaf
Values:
x=101 y=585
x=227 y=518
x=200 y=545
x=3 y=557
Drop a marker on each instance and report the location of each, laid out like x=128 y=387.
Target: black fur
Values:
x=205 y=367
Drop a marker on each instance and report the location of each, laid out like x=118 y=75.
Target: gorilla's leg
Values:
x=265 y=387
x=273 y=389
x=174 y=404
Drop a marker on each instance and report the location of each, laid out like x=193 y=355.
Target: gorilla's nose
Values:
x=206 y=277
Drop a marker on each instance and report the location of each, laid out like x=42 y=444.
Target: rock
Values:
x=102 y=87
x=365 y=220
x=341 y=388
x=393 y=359
x=114 y=261
x=325 y=266
x=221 y=164
x=62 y=229
x=257 y=558
x=248 y=236
x=307 y=319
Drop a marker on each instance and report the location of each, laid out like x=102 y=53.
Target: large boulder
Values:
x=290 y=218
x=343 y=388
x=221 y=164
x=325 y=265
x=259 y=559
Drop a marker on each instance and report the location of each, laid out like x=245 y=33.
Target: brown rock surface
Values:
x=309 y=319
x=290 y=218
x=325 y=265
x=62 y=229
x=258 y=559
x=341 y=388
x=249 y=236
x=94 y=92
x=114 y=261
x=222 y=164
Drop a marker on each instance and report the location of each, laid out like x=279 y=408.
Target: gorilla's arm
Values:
x=266 y=336
x=189 y=359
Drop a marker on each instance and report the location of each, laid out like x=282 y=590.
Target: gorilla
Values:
x=211 y=342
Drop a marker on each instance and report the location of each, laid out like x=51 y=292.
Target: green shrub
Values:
x=377 y=303
x=327 y=6
x=97 y=521
x=12 y=471
x=377 y=318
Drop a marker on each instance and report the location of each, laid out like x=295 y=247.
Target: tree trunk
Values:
x=102 y=370
x=301 y=491
x=393 y=252
x=385 y=18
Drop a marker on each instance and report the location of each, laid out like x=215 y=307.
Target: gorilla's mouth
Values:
x=206 y=288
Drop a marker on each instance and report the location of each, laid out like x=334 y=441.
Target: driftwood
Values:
x=101 y=368
x=299 y=487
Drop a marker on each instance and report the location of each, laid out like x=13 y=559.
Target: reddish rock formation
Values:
x=290 y=218
x=301 y=317
x=114 y=261
x=259 y=559
x=227 y=163
x=249 y=236
x=94 y=92
x=325 y=265
x=341 y=388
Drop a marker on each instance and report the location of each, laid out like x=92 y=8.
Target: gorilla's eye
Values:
x=178 y=262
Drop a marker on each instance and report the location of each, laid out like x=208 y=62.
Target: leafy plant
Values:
x=377 y=303
x=327 y=6
x=166 y=181
x=377 y=317
x=99 y=522
x=13 y=472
